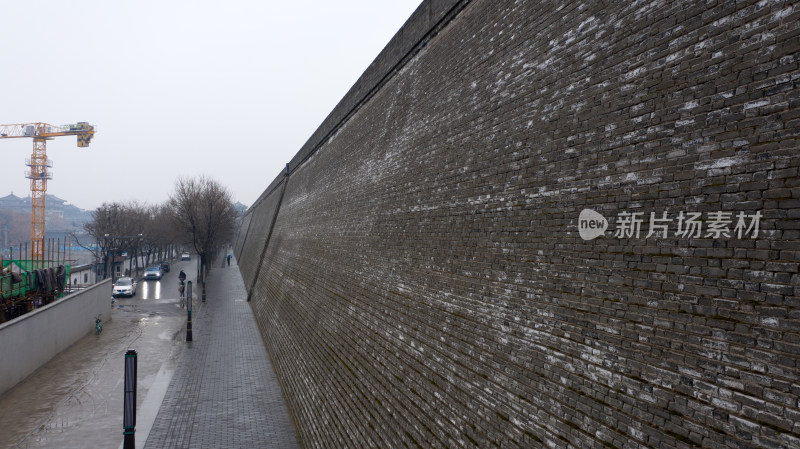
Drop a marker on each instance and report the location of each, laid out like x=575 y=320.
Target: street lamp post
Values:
x=109 y=270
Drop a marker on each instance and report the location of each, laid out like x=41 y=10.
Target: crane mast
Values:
x=39 y=171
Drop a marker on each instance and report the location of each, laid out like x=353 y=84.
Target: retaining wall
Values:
x=30 y=341
x=546 y=224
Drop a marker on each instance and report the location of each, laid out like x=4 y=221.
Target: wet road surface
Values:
x=76 y=399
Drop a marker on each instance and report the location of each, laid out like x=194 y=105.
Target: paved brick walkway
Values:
x=224 y=392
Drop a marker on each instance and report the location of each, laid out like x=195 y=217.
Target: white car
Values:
x=124 y=287
x=186 y=256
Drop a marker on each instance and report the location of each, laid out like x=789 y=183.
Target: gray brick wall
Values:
x=427 y=284
x=241 y=235
x=254 y=232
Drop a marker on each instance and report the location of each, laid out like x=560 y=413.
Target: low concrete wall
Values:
x=29 y=341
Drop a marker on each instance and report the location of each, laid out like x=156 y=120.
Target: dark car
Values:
x=164 y=266
x=153 y=272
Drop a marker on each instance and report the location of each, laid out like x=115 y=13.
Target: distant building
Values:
x=82 y=275
x=14 y=203
x=240 y=208
x=60 y=215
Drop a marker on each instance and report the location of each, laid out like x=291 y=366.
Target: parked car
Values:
x=186 y=256
x=153 y=272
x=164 y=266
x=125 y=286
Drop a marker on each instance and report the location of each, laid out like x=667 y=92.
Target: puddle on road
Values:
x=166 y=335
x=75 y=400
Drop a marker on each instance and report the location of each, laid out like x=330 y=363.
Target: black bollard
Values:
x=129 y=402
x=204 y=285
x=189 y=311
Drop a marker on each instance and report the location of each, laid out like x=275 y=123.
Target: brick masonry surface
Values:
x=432 y=277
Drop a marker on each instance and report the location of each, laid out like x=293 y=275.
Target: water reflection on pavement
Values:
x=75 y=400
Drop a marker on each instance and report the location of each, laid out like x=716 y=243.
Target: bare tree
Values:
x=160 y=233
x=17 y=226
x=203 y=209
x=108 y=224
x=124 y=228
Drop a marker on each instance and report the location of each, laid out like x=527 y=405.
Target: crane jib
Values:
x=39 y=173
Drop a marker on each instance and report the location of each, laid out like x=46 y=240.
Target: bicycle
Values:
x=98 y=324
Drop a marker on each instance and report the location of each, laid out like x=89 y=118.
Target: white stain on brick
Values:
x=770 y=321
x=756 y=104
x=689 y=105
x=629 y=177
x=784 y=13
x=720 y=163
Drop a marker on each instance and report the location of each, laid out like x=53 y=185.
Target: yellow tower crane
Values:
x=39 y=165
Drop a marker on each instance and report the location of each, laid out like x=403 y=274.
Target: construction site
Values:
x=37 y=273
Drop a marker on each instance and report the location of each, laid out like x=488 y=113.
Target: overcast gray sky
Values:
x=230 y=90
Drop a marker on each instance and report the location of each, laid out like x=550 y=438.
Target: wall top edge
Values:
x=429 y=16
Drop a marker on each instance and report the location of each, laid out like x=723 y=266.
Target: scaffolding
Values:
x=27 y=284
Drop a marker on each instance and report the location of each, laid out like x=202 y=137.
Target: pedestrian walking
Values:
x=229 y=260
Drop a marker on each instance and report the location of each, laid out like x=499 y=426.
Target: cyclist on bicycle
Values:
x=181 y=279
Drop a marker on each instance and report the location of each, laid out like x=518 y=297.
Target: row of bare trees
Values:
x=199 y=216
x=202 y=210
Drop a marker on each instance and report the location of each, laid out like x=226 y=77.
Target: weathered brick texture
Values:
x=254 y=230
x=426 y=284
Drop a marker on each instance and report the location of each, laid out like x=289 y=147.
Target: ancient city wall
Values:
x=546 y=224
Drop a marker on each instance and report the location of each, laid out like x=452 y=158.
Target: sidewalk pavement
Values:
x=224 y=392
